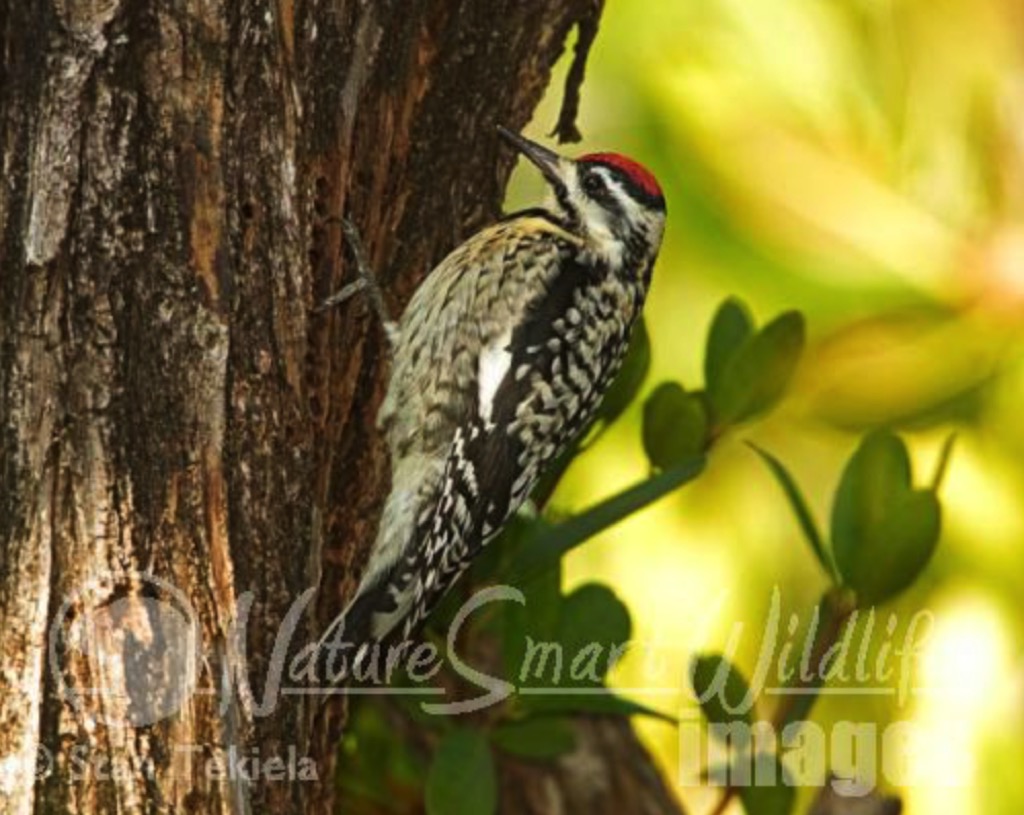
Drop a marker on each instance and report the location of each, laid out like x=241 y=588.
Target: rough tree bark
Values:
x=170 y=402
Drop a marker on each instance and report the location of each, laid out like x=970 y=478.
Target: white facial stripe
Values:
x=627 y=204
x=601 y=239
x=600 y=235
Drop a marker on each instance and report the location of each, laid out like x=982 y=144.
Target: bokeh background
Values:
x=862 y=161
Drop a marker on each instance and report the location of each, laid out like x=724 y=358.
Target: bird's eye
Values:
x=593 y=185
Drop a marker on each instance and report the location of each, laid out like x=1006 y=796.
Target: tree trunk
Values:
x=187 y=445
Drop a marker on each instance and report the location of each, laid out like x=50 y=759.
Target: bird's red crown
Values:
x=634 y=170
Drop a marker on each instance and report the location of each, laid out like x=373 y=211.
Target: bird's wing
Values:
x=537 y=389
x=489 y=461
x=467 y=303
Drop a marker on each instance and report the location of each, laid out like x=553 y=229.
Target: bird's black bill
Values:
x=546 y=160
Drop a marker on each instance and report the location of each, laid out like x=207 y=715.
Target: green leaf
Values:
x=768 y=798
x=799 y=506
x=731 y=327
x=722 y=693
x=875 y=478
x=883 y=531
x=462 y=780
x=594 y=613
x=542 y=738
x=675 y=426
x=551 y=544
x=907 y=540
x=602 y=702
x=594 y=623
x=757 y=375
x=630 y=378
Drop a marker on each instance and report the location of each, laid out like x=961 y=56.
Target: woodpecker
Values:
x=499 y=361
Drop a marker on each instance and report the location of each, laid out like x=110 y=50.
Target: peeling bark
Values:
x=170 y=403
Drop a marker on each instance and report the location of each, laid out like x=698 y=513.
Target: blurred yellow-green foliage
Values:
x=862 y=161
